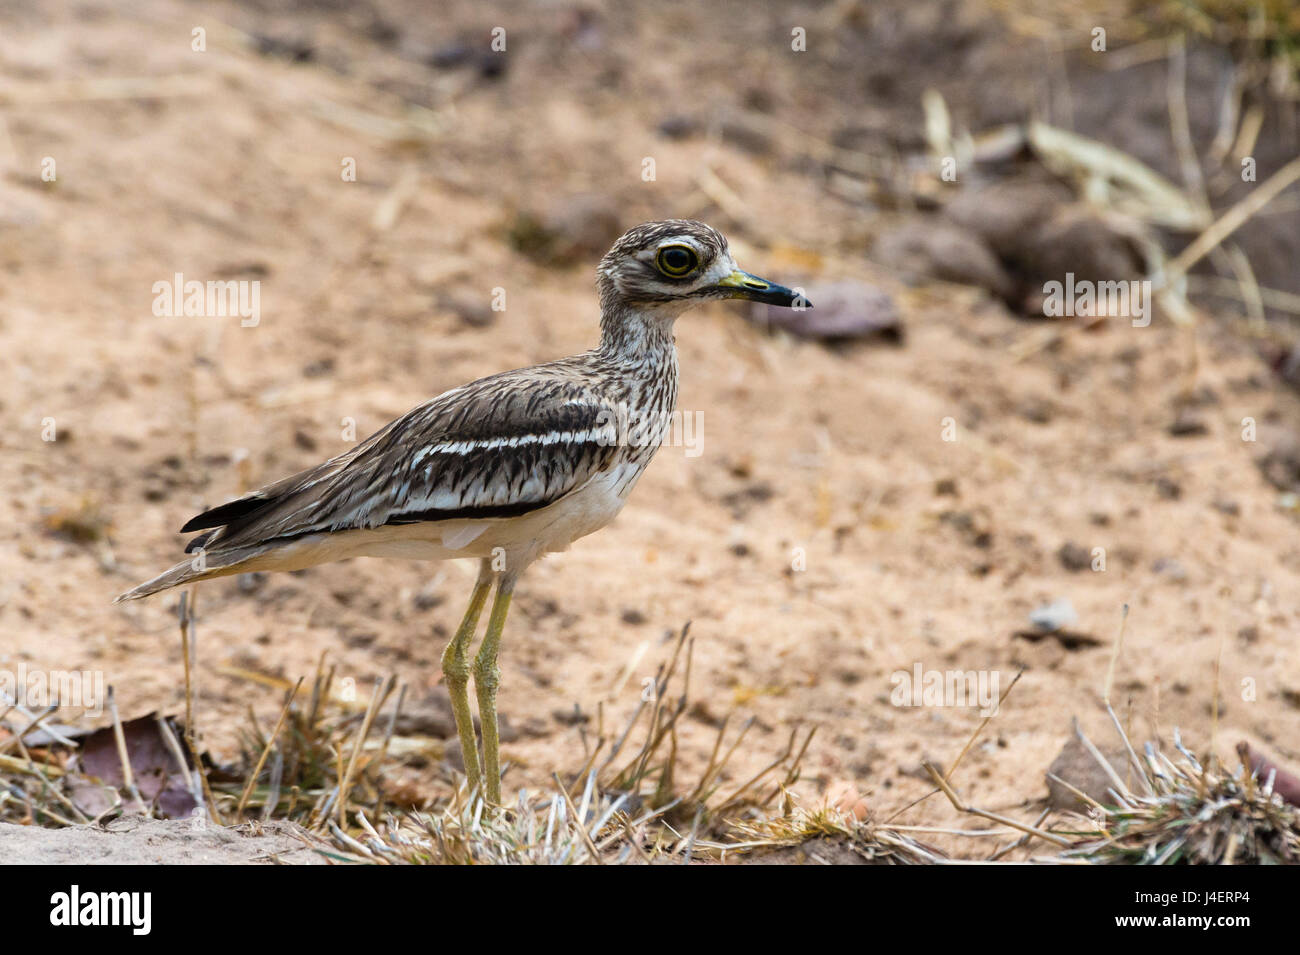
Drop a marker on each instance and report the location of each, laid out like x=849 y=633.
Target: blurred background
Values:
x=926 y=469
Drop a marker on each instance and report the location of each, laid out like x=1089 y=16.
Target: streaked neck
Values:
x=635 y=335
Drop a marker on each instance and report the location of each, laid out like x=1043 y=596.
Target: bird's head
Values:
x=663 y=268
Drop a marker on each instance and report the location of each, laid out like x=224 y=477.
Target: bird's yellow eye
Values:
x=677 y=260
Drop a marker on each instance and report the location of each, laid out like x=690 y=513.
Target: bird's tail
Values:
x=203 y=566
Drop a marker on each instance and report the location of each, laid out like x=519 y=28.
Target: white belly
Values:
x=520 y=540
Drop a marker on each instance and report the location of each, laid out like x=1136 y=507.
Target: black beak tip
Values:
x=788 y=298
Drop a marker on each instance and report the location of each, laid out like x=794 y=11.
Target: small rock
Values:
x=940 y=250
x=1286 y=363
x=946 y=487
x=491 y=66
x=1076 y=241
x=1285 y=782
x=1169 y=567
x=1036 y=410
x=1280 y=462
x=846 y=797
x=1054 y=616
x=490 y=63
x=449 y=56
x=700 y=712
x=1187 y=424
x=1076 y=766
x=1005 y=214
x=1074 y=557
x=1069 y=639
x=838 y=312
x=431 y=716
x=242 y=269
x=294 y=47
x=1231 y=508
x=472 y=311
x=972 y=526
x=741 y=502
x=319 y=368
x=570 y=717
x=1168 y=488
x=679 y=127
x=759 y=99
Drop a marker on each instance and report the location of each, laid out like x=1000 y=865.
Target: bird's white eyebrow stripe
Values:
x=585 y=436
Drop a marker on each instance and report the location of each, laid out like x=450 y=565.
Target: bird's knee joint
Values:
x=455 y=672
x=486 y=675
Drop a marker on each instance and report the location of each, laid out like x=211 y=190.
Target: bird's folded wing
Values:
x=498 y=447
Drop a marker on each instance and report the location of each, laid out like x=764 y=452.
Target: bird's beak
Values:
x=743 y=285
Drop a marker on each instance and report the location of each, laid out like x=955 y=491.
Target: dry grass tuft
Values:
x=871 y=842
x=629 y=804
x=1174 y=809
x=326 y=765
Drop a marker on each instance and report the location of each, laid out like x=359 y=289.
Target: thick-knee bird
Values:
x=502 y=470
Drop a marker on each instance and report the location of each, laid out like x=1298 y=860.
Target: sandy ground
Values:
x=139 y=841
x=919 y=550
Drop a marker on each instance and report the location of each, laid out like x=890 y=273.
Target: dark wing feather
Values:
x=228 y=513
x=498 y=447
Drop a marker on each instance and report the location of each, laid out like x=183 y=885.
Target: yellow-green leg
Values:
x=455 y=670
x=487 y=677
